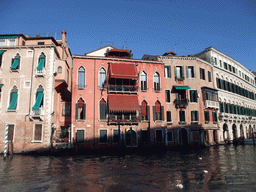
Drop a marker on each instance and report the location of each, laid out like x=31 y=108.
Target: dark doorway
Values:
x=130 y=138
x=184 y=137
x=159 y=136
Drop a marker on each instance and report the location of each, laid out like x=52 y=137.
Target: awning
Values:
x=2 y=51
x=181 y=87
x=41 y=64
x=8 y=37
x=125 y=103
x=123 y=71
x=39 y=100
x=1 y=86
x=15 y=64
x=13 y=102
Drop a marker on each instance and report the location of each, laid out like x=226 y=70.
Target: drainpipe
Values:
x=94 y=106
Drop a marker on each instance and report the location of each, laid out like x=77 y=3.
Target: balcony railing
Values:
x=40 y=72
x=134 y=120
x=37 y=112
x=122 y=88
x=211 y=104
x=181 y=103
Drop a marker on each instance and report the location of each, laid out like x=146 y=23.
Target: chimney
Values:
x=63 y=37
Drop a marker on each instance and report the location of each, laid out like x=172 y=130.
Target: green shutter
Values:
x=76 y=111
x=13 y=102
x=140 y=113
x=15 y=64
x=2 y=51
x=84 y=111
x=148 y=113
x=41 y=64
x=154 y=113
x=39 y=100
x=162 y=113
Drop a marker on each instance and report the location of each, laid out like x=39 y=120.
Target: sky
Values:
x=144 y=26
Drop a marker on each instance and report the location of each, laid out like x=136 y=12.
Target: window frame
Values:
x=182 y=122
x=143 y=86
x=202 y=73
x=195 y=119
x=100 y=130
x=209 y=76
x=157 y=84
x=192 y=96
x=79 y=79
x=191 y=72
x=102 y=73
x=34 y=132
x=81 y=129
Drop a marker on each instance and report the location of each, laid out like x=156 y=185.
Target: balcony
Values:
x=37 y=114
x=181 y=103
x=211 y=104
x=40 y=73
x=123 y=88
x=113 y=120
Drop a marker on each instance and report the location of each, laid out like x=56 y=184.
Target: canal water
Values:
x=217 y=168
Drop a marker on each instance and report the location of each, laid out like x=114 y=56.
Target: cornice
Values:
x=184 y=58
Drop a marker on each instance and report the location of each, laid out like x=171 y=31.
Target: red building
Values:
x=109 y=87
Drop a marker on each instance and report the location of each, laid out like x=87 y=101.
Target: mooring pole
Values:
x=6 y=140
x=119 y=136
x=149 y=137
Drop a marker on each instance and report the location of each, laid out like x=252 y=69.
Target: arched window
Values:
x=15 y=62
x=156 y=82
x=80 y=109
x=81 y=78
x=102 y=78
x=13 y=99
x=158 y=111
x=59 y=69
x=145 y=111
x=103 y=109
x=41 y=63
x=39 y=100
x=143 y=81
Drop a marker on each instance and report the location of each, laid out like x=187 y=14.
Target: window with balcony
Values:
x=15 y=62
x=168 y=96
x=39 y=98
x=209 y=76
x=81 y=77
x=214 y=117
x=102 y=79
x=13 y=99
x=190 y=72
x=38 y=129
x=206 y=116
x=182 y=117
x=145 y=111
x=103 y=136
x=80 y=109
x=157 y=87
x=167 y=71
x=194 y=116
x=169 y=116
x=202 y=74
x=103 y=109
x=158 y=112
x=181 y=100
x=179 y=73
x=143 y=81
x=193 y=96
x=41 y=64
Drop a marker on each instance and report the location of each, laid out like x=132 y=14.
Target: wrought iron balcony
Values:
x=37 y=112
x=181 y=103
x=113 y=120
x=40 y=72
x=122 y=88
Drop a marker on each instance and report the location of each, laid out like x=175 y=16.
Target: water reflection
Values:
x=216 y=168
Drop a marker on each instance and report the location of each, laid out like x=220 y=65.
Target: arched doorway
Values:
x=130 y=138
x=225 y=132
x=184 y=137
x=234 y=132
x=241 y=131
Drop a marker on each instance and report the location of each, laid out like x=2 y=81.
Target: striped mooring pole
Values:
x=6 y=140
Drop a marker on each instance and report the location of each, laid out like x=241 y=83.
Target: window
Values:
x=80 y=136
x=229 y=67
x=190 y=72
x=80 y=110
x=194 y=116
x=234 y=69
x=202 y=74
x=179 y=73
x=39 y=100
x=156 y=82
x=2 y=42
x=193 y=96
x=214 y=117
x=169 y=116
x=218 y=83
x=40 y=43
x=143 y=81
x=240 y=73
x=215 y=60
x=182 y=117
x=103 y=109
x=103 y=136
x=13 y=99
x=66 y=110
x=167 y=71
x=220 y=63
x=170 y=136
x=158 y=111
x=38 y=132
x=209 y=94
x=59 y=69
x=225 y=65
x=10 y=133
x=102 y=78
x=168 y=96
x=115 y=136
x=15 y=62
x=145 y=113
x=209 y=76
x=11 y=42
x=206 y=116
x=81 y=78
